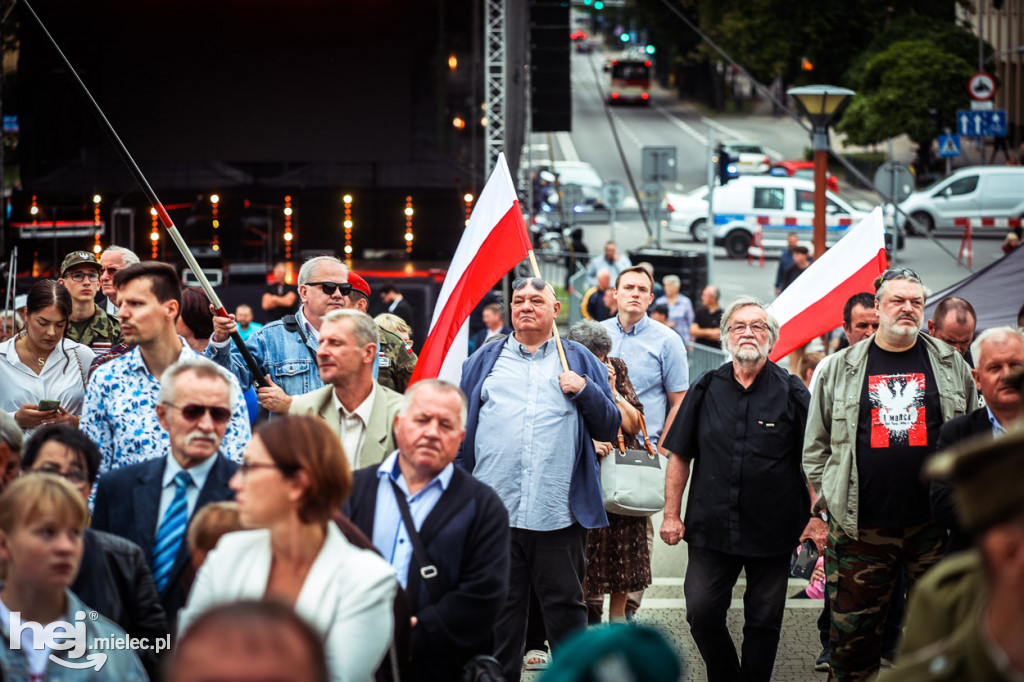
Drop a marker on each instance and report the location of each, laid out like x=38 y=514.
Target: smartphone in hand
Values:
x=48 y=405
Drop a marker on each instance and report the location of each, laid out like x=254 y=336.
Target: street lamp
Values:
x=820 y=104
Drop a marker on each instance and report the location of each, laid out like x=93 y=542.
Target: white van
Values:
x=973 y=192
x=778 y=205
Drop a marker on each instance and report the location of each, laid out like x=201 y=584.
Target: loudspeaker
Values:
x=691 y=267
x=550 y=72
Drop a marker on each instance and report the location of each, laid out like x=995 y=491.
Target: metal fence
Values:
x=702 y=358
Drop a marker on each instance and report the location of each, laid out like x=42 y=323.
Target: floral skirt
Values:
x=618 y=559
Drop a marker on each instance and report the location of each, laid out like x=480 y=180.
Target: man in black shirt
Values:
x=708 y=319
x=280 y=297
x=748 y=500
x=874 y=420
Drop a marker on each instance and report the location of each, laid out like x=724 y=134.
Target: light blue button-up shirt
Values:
x=526 y=437
x=997 y=428
x=389 y=533
x=656 y=359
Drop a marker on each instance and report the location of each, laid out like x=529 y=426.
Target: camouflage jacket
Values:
x=102 y=328
x=394 y=362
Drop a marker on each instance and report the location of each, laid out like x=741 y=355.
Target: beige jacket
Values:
x=380 y=438
x=830 y=442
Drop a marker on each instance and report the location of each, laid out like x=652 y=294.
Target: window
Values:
x=805 y=201
x=769 y=198
x=961 y=186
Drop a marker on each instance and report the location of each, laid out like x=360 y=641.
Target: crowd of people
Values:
x=307 y=514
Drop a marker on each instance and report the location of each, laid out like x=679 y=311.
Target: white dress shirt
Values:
x=60 y=379
x=353 y=424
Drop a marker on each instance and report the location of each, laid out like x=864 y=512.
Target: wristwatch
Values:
x=618 y=398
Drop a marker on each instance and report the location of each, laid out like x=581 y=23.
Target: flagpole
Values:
x=554 y=324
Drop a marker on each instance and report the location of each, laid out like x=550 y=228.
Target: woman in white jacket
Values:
x=294 y=478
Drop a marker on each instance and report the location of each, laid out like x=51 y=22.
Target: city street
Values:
x=668 y=122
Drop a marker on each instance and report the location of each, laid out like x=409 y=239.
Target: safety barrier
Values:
x=703 y=358
x=969 y=223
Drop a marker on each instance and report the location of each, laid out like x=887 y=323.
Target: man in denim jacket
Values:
x=286 y=357
x=874 y=419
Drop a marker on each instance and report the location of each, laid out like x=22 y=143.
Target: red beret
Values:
x=358 y=283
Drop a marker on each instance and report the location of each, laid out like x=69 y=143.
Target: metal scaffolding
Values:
x=495 y=80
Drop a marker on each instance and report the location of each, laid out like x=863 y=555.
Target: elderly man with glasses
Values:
x=285 y=349
x=874 y=420
x=529 y=436
x=737 y=440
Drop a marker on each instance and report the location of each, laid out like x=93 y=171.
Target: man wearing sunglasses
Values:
x=285 y=349
x=89 y=324
x=151 y=503
x=874 y=420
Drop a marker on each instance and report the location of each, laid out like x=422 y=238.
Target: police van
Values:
x=766 y=204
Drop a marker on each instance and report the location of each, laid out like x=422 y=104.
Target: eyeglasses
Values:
x=740 y=327
x=248 y=466
x=535 y=282
x=329 y=287
x=75 y=477
x=898 y=273
x=193 y=413
x=110 y=271
x=80 y=276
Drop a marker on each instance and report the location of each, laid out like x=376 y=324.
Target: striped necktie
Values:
x=171 y=532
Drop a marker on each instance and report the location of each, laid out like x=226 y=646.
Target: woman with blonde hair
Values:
x=293 y=479
x=42 y=518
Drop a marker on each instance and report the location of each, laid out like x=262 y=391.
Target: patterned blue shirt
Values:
x=680 y=315
x=389 y=533
x=526 y=437
x=120 y=413
x=656 y=360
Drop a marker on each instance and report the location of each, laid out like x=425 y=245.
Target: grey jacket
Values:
x=830 y=442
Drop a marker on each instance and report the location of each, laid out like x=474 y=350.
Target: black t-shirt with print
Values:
x=897 y=429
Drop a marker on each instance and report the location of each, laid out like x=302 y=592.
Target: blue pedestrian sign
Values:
x=990 y=123
x=949 y=145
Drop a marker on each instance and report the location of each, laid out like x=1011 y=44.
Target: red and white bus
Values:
x=630 y=80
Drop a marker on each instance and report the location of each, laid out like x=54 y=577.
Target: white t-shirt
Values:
x=61 y=378
x=36 y=657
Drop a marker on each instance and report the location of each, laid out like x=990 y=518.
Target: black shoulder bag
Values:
x=481 y=668
x=292 y=325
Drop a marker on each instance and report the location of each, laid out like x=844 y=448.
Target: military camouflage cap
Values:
x=987 y=477
x=78 y=258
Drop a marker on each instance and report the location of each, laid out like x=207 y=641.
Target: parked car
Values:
x=805 y=170
x=750 y=157
x=739 y=203
x=972 y=192
x=576 y=173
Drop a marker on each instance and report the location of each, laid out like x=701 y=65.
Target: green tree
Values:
x=911 y=87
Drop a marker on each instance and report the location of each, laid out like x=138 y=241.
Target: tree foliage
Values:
x=911 y=87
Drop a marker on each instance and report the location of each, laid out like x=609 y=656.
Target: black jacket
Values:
x=940 y=493
x=114 y=578
x=467 y=538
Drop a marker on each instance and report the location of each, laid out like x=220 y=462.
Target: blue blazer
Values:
x=128 y=503
x=467 y=537
x=599 y=419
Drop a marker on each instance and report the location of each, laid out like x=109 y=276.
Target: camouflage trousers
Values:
x=860 y=576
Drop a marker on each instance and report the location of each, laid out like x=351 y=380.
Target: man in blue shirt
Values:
x=530 y=436
x=462 y=523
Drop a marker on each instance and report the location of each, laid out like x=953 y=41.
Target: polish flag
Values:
x=813 y=304
x=494 y=242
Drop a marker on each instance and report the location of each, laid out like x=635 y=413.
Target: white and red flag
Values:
x=813 y=304
x=495 y=241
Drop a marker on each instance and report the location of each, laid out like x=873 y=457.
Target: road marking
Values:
x=681 y=124
x=739 y=137
x=625 y=129
x=569 y=152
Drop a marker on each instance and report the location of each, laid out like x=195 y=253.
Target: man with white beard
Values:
x=738 y=440
x=874 y=420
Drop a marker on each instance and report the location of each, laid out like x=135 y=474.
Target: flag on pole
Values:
x=813 y=304
x=494 y=242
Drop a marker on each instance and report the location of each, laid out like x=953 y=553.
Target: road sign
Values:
x=949 y=145
x=613 y=193
x=659 y=163
x=981 y=123
x=981 y=86
x=894 y=180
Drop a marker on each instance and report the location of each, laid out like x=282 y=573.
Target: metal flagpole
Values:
x=161 y=212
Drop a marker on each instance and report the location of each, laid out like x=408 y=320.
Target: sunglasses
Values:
x=535 y=282
x=329 y=287
x=899 y=273
x=193 y=413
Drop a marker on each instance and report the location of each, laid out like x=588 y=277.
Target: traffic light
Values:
x=624 y=37
x=649 y=49
x=724 y=173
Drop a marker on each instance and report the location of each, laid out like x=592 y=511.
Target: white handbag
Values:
x=633 y=481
